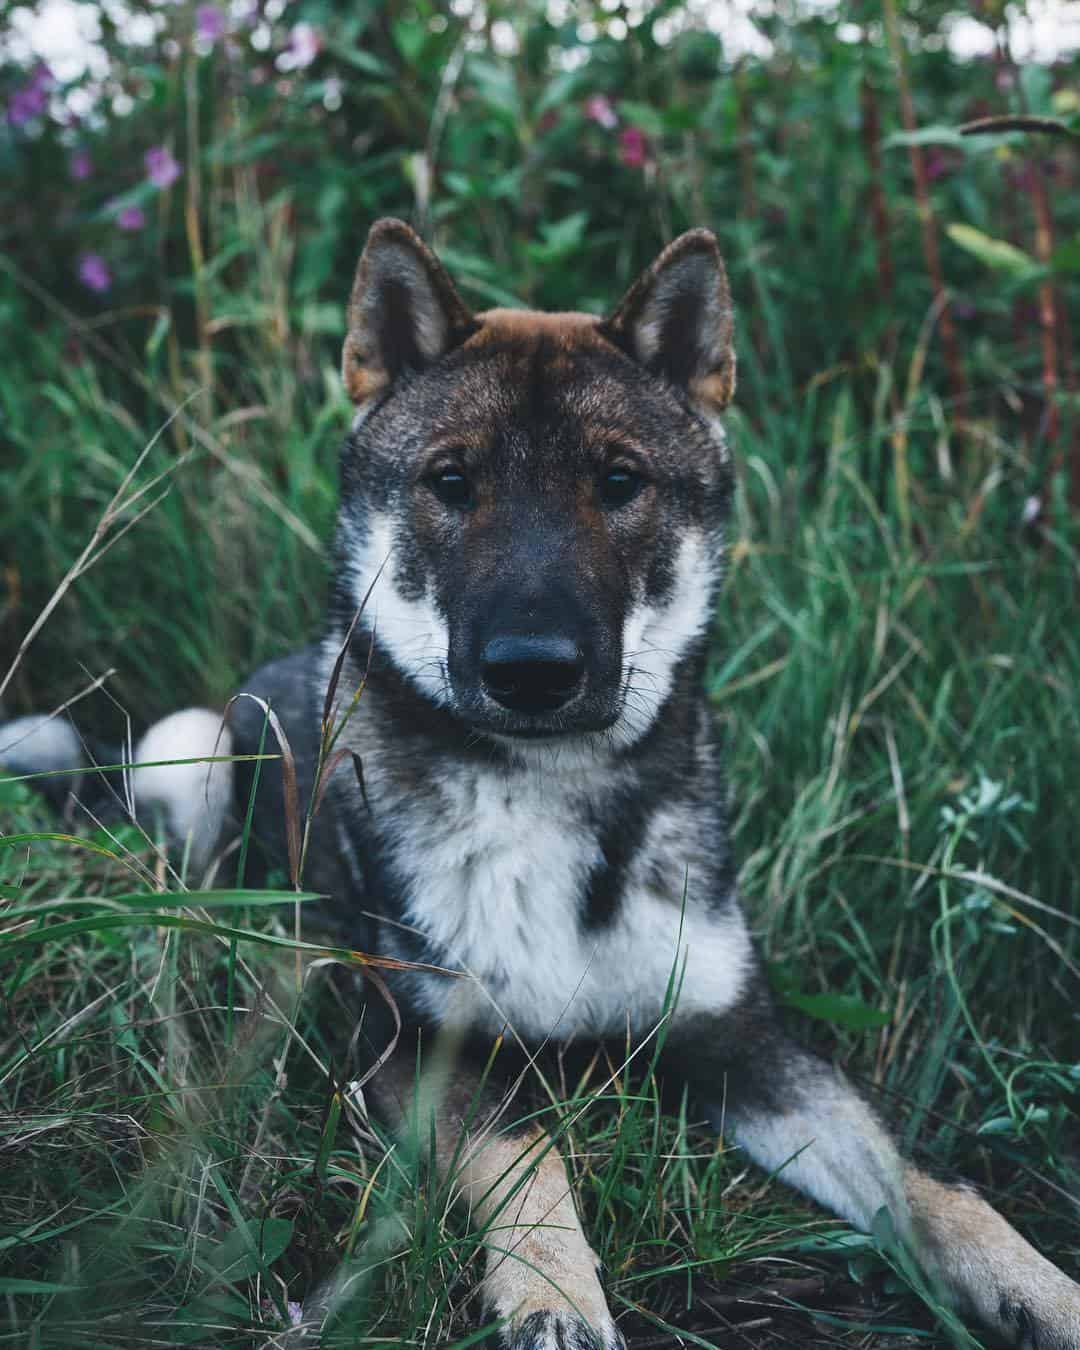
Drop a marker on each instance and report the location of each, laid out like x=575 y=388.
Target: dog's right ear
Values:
x=403 y=314
x=676 y=321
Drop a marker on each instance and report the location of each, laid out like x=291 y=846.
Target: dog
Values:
x=517 y=775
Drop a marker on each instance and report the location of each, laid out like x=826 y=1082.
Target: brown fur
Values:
x=570 y=328
x=990 y=1270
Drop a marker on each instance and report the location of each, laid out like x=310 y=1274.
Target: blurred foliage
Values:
x=549 y=148
x=179 y=225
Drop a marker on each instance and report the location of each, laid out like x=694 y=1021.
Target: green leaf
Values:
x=994 y=253
x=842 y=1009
x=495 y=86
x=409 y=38
x=100 y=922
x=13 y=1286
x=15 y=840
x=1037 y=87
x=1067 y=257
x=329 y=1135
x=998 y=1125
x=158 y=333
x=563 y=89
x=360 y=59
x=233 y=899
x=249 y=1248
x=561 y=238
x=935 y=135
x=642 y=115
x=325 y=317
x=206 y=1313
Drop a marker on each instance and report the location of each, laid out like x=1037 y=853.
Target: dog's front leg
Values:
x=540 y=1278
x=797 y=1115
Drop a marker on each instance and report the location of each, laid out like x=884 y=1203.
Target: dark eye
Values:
x=451 y=487
x=619 y=487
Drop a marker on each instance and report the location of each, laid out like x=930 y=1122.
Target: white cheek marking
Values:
x=496 y=886
x=657 y=637
x=413 y=632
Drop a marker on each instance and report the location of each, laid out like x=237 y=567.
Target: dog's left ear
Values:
x=676 y=320
x=404 y=312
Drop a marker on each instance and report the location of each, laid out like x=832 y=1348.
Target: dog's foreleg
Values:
x=540 y=1277
x=798 y=1116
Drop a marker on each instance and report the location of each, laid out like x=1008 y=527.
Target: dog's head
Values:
x=540 y=496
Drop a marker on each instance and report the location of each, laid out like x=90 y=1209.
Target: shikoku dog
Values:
x=532 y=529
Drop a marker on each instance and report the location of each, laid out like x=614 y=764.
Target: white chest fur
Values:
x=494 y=881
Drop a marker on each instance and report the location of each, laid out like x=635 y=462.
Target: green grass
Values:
x=898 y=679
x=896 y=667
x=898 y=686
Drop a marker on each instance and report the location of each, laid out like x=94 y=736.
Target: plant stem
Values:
x=928 y=226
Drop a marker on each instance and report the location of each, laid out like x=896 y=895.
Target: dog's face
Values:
x=543 y=493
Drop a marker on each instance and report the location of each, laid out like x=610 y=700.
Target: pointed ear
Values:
x=403 y=313
x=676 y=320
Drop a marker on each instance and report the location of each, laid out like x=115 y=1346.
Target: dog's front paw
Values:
x=1053 y=1326
x=560 y=1330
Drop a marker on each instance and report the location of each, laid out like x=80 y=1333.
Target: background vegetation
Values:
x=897 y=652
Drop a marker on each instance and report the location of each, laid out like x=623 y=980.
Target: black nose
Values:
x=532 y=674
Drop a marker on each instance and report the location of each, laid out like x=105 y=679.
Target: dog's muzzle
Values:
x=532 y=675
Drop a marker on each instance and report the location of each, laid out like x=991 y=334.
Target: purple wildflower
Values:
x=937 y=165
x=296 y=1313
x=131 y=218
x=161 y=168
x=94 y=272
x=633 y=147
x=33 y=98
x=24 y=105
x=81 y=165
x=599 y=109
x=209 y=23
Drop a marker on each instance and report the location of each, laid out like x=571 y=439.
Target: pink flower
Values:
x=599 y=109
x=131 y=218
x=209 y=23
x=161 y=168
x=81 y=165
x=94 y=273
x=304 y=45
x=633 y=147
